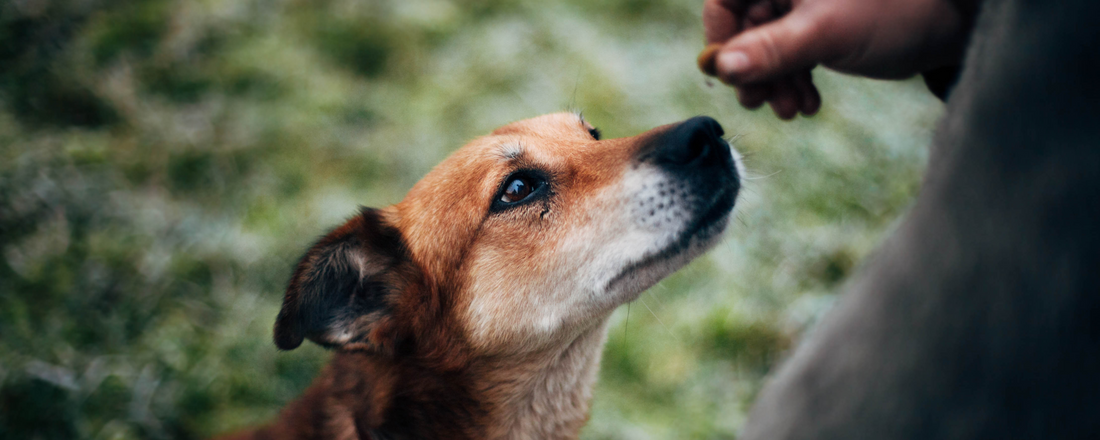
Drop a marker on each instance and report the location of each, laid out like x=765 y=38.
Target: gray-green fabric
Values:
x=980 y=316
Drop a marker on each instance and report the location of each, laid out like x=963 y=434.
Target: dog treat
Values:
x=707 y=59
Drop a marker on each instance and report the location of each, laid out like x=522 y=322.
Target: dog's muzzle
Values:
x=695 y=155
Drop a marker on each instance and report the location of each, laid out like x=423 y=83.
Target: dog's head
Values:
x=521 y=239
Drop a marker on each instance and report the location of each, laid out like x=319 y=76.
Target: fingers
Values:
x=809 y=99
x=773 y=49
x=720 y=20
x=785 y=101
x=765 y=59
x=754 y=95
x=787 y=96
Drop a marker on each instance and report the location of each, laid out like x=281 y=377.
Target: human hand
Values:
x=766 y=48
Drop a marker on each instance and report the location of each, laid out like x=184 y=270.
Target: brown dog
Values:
x=477 y=307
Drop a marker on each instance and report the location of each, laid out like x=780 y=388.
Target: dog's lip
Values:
x=720 y=207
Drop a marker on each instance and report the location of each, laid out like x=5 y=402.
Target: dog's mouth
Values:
x=719 y=210
x=697 y=235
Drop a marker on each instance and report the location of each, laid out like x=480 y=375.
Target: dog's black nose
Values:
x=693 y=142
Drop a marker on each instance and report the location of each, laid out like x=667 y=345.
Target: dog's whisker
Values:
x=655 y=317
x=760 y=177
x=576 y=85
x=742 y=221
x=660 y=303
x=653 y=292
x=626 y=329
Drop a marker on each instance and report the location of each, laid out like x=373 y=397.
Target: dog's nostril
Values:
x=693 y=139
x=699 y=144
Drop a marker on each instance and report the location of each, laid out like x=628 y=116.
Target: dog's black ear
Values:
x=341 y=293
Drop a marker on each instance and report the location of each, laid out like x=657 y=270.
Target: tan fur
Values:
x=454 y=319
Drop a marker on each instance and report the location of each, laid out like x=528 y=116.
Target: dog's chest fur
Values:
x=548 y=397
x=544 y=396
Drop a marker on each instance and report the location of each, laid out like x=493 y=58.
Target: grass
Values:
x=163 y=164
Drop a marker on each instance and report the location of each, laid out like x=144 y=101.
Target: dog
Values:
x=477 y=307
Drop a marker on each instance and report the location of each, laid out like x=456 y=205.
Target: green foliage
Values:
x=163 y=163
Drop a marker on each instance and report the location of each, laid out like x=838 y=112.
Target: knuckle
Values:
x=771 y=55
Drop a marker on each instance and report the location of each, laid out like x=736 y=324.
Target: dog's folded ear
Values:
x=342 y=291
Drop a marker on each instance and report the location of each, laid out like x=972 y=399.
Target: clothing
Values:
x=980 y=316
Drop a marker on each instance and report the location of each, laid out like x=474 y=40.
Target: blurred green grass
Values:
x=163 y=163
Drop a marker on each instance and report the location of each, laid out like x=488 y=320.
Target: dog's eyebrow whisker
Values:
x=511 y=151
x=576 y=85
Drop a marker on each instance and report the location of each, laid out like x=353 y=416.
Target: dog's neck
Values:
x=543 y=395
x=546 y=395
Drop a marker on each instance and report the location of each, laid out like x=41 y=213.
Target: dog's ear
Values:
x=341 y=292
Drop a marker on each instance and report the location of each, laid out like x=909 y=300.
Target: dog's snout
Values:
x=694 y=141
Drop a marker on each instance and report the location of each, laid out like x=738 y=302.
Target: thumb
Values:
x=792 y=43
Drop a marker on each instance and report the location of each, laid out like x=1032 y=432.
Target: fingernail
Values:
x=733 y=62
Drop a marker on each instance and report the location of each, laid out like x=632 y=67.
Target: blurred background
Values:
x=163 y=163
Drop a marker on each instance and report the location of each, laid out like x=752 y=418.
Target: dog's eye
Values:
x=518 y=188
x=595 y=132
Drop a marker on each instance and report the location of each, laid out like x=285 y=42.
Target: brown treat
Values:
x=707 y=58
